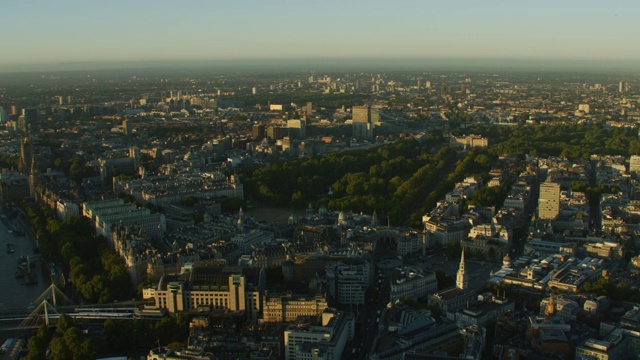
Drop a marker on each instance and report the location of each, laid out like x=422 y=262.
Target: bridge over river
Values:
x=48 y=307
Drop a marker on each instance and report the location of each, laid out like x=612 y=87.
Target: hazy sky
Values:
x=37 y=31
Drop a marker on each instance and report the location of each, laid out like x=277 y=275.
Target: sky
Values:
x=71 y=31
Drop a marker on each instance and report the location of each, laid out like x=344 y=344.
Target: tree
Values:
x=482 y=161
x=118 y=334
x=59 y=349
x=80 y=225
x=73 y=338
x=297 y=199
x=38 y=343
x=489 y=196
x=172 y=329
x=88 y=350
x=65 y=322
x=142 y=334
x=77 y=163
x=232 y=205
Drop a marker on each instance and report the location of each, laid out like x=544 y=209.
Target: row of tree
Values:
x=476 y=162
x=573 y=141
x=97 y=273
x=616 y=290
x=66 y=342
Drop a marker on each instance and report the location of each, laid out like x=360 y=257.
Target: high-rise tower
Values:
x=361 y=114
x=4 y=116
x=361 y=122
x=30 y=116
x=549 y=201
x=26 y=155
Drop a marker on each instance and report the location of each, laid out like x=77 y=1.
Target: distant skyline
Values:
x=38 y=32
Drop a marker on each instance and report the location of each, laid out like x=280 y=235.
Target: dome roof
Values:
x=506 y=260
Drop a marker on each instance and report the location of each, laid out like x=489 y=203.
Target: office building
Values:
x=362 y=130
x=4 y=116
x=66 y=209
x=363 y=120
x=106 y=214
x=584 y=107
x=29 y=119
x=348 y=282
x=412 y=283
x=288 y=307
x=326 y=341
x=468 y=142
x=126 y=126
x=549 y=201
x=621 y=343
x=22 y=124
x=483 y=309
x=309 y=108
x=375 y=117
x=361 y=114
x=231 y=289
x=297 y=128
x=26 y=155
x=258 y=131
x=13 y=187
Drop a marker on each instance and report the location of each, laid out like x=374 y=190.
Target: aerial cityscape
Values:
x=298 y=180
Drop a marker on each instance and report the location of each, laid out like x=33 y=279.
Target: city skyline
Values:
x=68 y=32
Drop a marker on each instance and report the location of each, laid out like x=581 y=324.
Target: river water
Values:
x=15 y=295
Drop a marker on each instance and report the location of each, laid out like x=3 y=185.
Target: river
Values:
x=17 y=296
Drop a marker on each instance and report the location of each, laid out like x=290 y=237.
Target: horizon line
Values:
x=364 y=62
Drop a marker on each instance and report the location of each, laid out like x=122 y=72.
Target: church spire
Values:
x=462 y=282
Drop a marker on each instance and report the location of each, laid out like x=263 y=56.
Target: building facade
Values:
x=326 y=341
x=549 y=201
x=288 y=307
x=348 y=282
x=209 y=289
x=412 y=283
